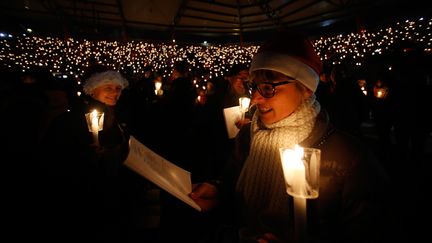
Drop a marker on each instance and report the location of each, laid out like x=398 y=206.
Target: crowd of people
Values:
x=74 y=186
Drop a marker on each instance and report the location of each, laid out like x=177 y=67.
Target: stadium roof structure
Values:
x=200 y=20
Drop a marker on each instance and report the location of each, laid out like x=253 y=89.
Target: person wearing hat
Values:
x=86 y=182
x=352 y=186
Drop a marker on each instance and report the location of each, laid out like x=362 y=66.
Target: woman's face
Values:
x=107 y=93
x=237 y=82
x=286 y=99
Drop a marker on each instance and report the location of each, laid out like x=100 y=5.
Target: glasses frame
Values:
x=254 y=86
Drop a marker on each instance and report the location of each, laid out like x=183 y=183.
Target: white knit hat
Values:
x=292 y=55
x=107 y=77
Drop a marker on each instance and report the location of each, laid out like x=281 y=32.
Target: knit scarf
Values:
x=261 y=182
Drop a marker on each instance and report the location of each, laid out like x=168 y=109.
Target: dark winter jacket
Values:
x=353 y=190
x=81 y=183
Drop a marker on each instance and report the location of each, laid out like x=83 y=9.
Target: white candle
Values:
x=158 y=85
x=295 y=178
x=294 y=171
x=94 y=121
x=244 y=105
x=379 y=94
x=94 y=126
x=300 y=221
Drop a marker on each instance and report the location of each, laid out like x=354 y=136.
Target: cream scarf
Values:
x=261 y=183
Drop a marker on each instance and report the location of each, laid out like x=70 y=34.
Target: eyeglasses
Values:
x=266 y=89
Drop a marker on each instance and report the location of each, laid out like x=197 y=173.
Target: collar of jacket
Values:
x=321 y=131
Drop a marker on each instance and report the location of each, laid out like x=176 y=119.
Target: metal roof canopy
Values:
x=198 y=20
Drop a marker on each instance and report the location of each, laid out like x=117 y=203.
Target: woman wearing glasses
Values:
x=284 y=75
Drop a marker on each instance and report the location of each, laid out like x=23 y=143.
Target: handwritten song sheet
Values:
x=160 y=171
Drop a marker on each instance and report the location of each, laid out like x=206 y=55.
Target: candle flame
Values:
x=301 y=171
x=299 y=151
x=294 y=156
x=158 y=85
x=94 y=113
x=244 y=103
x=294 y=171
x=379 y=93
x=94 y=121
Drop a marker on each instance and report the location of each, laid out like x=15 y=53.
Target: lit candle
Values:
x=379 y=93
x=95 y=126
x=158 y=86
x=94 y=121
x=295 y=178
x=300 y=219
x=294 y=171
x=244 y=105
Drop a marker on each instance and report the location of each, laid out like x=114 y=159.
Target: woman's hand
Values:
x=205 y=195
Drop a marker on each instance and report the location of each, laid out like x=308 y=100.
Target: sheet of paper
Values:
x=160 y=171
x=232 y=114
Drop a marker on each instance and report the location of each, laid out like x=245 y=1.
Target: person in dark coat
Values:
x=351 y=206
x=215 y=126
x=85 y=185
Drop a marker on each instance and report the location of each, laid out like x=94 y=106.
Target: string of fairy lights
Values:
x=72 y=57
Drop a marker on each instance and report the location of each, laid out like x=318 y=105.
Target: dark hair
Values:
x=148 y=68
x=181 y=67
x=42 y=76
x=237 y=68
